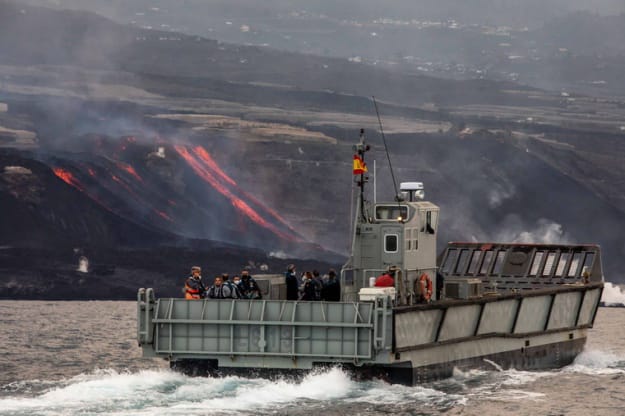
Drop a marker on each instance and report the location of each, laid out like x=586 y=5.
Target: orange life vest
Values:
x=192 y=289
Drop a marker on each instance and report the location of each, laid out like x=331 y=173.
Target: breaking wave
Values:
x=595 y=362
x=150 y=392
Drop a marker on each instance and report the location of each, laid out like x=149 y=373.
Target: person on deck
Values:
x=290 y=278
x=193 y=286
x=234 y=289
x=248 y=287
x=218 y=290
x=331 y=288
x=307 y=290
x=318 y=281
x=386 y=280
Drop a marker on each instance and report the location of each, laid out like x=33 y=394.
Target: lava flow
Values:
x=209 y=174
x=203 y=154
x=68 y=178
x=133 y=194
x=211 y=165
x=129 y=169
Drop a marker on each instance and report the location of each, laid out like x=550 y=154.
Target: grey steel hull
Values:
x=549 y=356
x=408 y=345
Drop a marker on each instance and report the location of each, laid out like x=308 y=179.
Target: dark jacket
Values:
x=308 y=290
x=249 y=288
x=291 y=286
x=331 y=290
x=318 y=282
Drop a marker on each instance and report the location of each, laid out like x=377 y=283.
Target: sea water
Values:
x=81 y=358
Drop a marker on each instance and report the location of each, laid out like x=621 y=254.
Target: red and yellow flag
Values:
x=360 y=166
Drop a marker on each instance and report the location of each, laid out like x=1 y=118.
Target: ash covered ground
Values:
x=147 y=155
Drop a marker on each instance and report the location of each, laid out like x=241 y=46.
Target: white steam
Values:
x=544 y=232
x=83 y=265
x=279 y=254
x=497 y=195
x=613 y=295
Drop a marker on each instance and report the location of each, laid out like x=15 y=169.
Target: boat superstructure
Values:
x=515 y=305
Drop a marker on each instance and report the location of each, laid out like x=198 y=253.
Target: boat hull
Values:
x=541 y=357
x=371 y=339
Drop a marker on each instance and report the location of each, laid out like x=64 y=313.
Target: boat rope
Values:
x=388 y=156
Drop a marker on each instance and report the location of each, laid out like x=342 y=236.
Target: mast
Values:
x=359 y=170
x=361 y=148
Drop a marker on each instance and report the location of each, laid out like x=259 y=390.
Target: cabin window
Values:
x=498 y=268
x=564 y=258
x=575 y=263
x=411 y=239
x=588 y=260
x=429 y=222
x=452 y=254
x=429 y=225
x=462 y=262
x=488 y=258
x=551 y=258
x=390 y=243
x=391 y=212
x=536 y=263
x=475 y=257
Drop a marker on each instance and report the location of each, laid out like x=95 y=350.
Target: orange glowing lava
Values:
x=71 y=180
x=126 y=187
x=208 y=176
x=68 y=178
x=126 y=167
x=271 y=212
x=212 y=165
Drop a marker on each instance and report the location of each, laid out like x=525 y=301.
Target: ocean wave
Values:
x=149 y=392
x=597 y=362
x=152 y=392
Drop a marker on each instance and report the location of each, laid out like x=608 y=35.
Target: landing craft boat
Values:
x=526 y=306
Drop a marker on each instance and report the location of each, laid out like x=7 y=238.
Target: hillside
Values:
x=149 y=151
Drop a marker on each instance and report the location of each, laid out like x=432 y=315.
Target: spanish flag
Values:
x=360 y=166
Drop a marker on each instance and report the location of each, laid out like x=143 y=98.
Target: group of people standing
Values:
x=310 y=286
x=240 y=287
